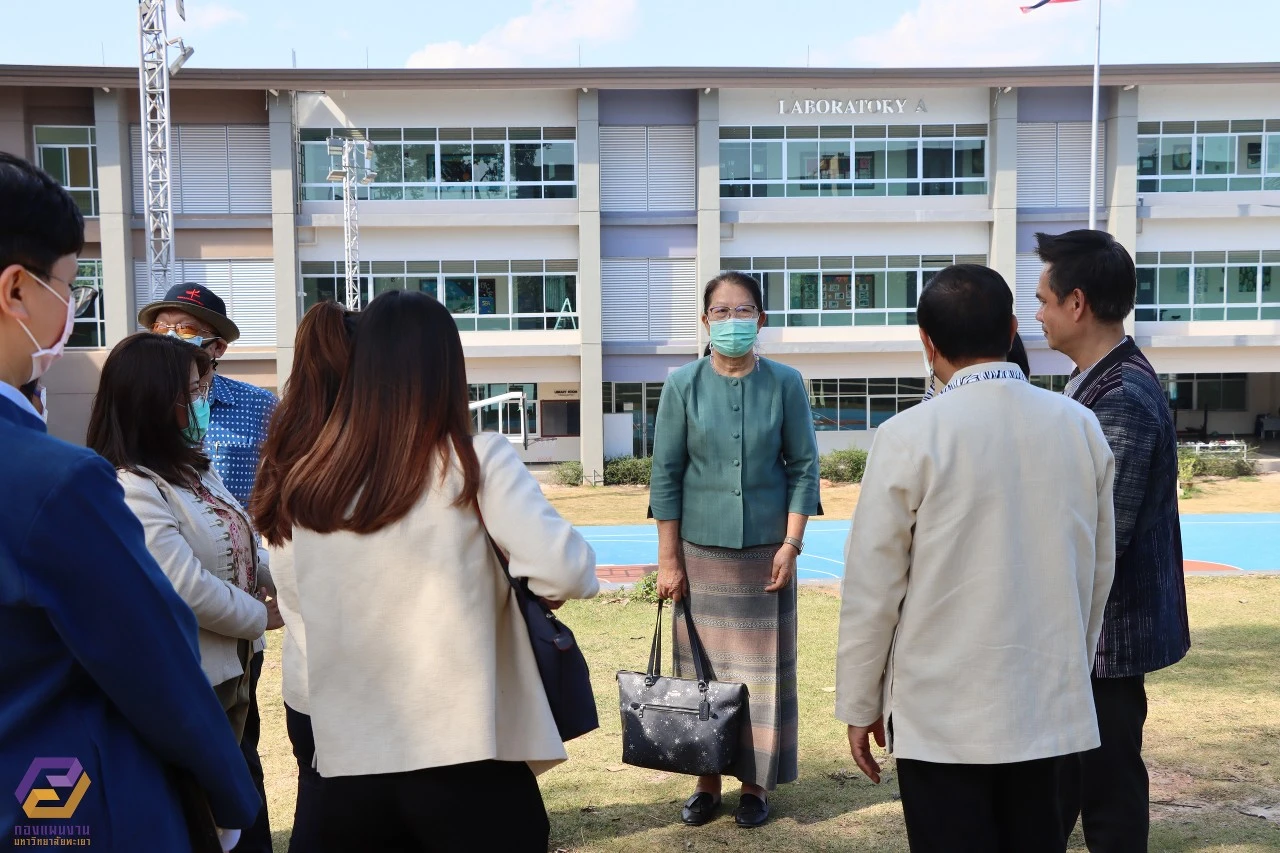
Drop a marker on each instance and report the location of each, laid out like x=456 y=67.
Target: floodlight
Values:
x=336 y=175
x=181 y=60
x=368 y=177
x=335 y=146
x=182 y=12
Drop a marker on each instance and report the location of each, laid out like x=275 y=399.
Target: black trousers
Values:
x=1107 y=788
x=306 y=813
x=485 y=805
x=981 y=808
x=256 y=839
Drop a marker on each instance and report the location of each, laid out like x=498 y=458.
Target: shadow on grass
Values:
x=824 y=809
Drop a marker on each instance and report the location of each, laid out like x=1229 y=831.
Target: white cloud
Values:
x=974 y=33
x=550 y=34
x=206 y=16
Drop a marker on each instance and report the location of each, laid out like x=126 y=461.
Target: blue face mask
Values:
x=733 y=338
x=197 y=341
x=197 y=421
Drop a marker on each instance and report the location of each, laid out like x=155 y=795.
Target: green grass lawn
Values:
x=1213 y=744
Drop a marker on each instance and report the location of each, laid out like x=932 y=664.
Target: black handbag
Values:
x=563 y=669
x=677 y=724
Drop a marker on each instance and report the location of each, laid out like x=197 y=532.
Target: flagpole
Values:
x=1093 y=133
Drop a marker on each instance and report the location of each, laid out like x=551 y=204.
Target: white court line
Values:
x=820 y=572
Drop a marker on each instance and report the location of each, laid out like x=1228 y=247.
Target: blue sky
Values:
x=523 y=33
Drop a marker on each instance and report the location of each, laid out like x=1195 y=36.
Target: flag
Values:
x=1026 y=9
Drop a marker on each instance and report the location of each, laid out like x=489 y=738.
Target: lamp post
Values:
x=354 y=168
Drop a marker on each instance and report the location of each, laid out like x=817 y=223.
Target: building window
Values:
x=561 y=418
x=1208 y=156
x=70 y=156
x=91 y=329
x=422 y=163
x=842 y=160
x=505 y=417
x=858 y=404
x=1213 y=392
x=641 y=400
x=1182 y=286
x=875 y=290
x=1055 y=383
x=482 y=295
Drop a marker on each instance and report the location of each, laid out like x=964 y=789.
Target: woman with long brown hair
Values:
x=321 y=356
x=426 y=703
x=148 y=420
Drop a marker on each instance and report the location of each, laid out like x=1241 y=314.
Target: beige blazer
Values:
x=976 y=571
x=193 y=547
x=416 y=653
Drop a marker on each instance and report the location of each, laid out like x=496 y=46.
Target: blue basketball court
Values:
x=1211 y=543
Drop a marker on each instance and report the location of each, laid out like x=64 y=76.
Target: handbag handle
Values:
x=695 y=647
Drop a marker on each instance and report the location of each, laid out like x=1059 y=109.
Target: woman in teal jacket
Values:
x=735 y=479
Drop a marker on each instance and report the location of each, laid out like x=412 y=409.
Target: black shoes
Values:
x=751 y=812
x=700 y=809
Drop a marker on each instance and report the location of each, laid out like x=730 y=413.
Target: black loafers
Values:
x=751 y=812
x=700 y=808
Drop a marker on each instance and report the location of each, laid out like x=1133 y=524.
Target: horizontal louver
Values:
x=1025 y=304
x=623 y=166
x=673 y=299
x=672 y=169
x=214 y=169
x=624 y=298
x=1037 y=164
x=1073 y=165
x=249 y=161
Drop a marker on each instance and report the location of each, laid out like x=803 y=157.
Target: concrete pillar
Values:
x=115 y=210
x=708 y=196
x=284 y=234
x=590 y=313
x=1122 y=172
x=1002 y=180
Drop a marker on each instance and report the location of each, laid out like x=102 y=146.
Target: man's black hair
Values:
x=39 y=221
x=1096 y=265
x=966 y=310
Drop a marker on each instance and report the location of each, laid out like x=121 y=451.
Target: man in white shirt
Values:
x=976 y=572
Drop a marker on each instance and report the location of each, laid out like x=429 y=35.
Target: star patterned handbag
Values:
x=678 y=724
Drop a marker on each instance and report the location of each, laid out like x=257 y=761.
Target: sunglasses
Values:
x=186 y=331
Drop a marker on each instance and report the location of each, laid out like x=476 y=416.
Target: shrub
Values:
x=568 y=473
x=843 y=466
x=645 y=589
x=1192 y=464
x=628 y=471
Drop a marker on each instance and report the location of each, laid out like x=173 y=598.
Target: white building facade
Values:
x=568 y=218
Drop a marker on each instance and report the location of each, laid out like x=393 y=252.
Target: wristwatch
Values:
x=798 y=544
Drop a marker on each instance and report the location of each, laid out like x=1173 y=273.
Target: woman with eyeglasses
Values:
x=149 y=418
x=735 y=479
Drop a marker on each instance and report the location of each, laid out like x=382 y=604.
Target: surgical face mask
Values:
x=928 y=370
x=44 y=357
x=733 y=338
x=197 y=420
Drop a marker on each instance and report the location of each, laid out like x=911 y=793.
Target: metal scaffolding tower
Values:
x=154 y=71
x=354 y=169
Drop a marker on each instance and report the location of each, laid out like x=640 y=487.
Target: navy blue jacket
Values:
x=98 y=658
x=1144 y=627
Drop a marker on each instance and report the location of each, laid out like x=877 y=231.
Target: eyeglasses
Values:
x=186 y=331
x=82 y=295
x=724 y=312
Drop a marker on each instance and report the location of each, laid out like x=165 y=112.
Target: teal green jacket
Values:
x=731 y=457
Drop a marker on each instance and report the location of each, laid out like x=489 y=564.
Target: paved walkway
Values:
x=1212 y=544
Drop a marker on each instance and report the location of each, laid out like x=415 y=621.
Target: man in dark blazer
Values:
x=1086 y=290
x=102 y=699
